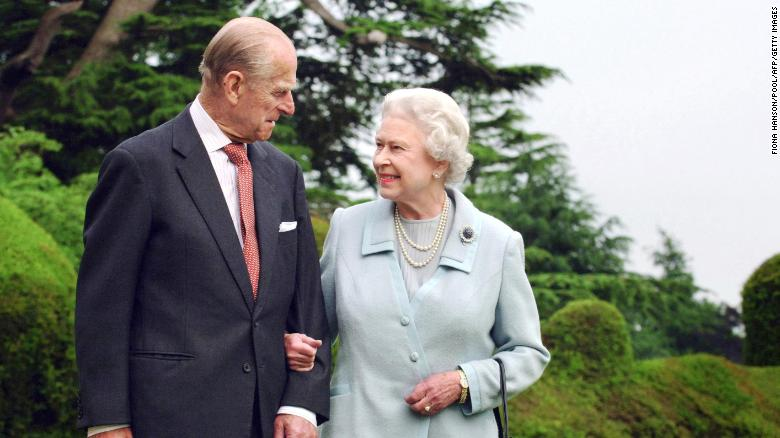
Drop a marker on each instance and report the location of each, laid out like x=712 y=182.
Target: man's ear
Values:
x=233 y=85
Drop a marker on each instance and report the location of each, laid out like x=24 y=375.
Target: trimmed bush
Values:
x=761 y=314
x=25 y=181
x=589 y=339
x=37 y=366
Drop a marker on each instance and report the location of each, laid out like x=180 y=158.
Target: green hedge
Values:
x=37 y=366
x=695 y=395
x=588 y=339
x=761 y=314
x=662 y=321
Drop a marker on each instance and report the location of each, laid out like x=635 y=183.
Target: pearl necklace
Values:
x=401 y=235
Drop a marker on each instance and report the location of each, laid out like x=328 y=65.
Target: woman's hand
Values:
x=300 y=350
x=435 y=393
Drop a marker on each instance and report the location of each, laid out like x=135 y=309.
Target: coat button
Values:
x=405 y=321
x=257 y=324
x=246 y=367
x=414 y=356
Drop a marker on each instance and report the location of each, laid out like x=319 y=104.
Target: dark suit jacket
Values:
x=168 y=337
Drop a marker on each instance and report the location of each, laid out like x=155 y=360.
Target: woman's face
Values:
x=403 y=167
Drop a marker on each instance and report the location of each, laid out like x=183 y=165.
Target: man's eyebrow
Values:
x=284 y=86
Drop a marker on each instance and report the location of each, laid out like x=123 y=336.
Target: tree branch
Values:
x=23 y=65
x=109 y=32
x=332 y=22
x=377 y=37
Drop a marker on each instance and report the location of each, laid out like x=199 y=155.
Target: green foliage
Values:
x=106 y=104
x=698 y=395
x=693 y=323
x=761 y=313
x=320 y=226
x=671 y=258
x=37 y=365
x=589 y=339
x=662 y=323
x=56 y=207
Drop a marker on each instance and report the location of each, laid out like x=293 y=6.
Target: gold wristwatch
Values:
x=464 y=387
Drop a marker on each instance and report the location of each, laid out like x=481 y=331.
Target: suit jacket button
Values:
x=246 y=367
x=405 y=321
x=79 y=408
x=257 y=324
x=414 y=356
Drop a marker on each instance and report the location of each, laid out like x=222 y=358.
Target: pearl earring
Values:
x=436 y=175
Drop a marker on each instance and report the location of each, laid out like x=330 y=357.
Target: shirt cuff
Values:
x=306 y=414
x=94 y=430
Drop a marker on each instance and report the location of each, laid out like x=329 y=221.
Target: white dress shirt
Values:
x=214 y=140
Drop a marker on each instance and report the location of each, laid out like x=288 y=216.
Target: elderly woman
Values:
x=423 y=290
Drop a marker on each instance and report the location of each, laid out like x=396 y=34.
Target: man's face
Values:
x=266 y=99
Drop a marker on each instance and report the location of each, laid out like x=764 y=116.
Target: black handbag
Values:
x=503 y=425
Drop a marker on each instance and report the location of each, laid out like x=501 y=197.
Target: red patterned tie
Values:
x=236 y=152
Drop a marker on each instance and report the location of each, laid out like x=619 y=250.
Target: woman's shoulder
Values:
x=495 y=225
x=490 y=226
x=358 y=213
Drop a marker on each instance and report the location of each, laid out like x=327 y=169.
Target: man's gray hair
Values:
x=441 y=120
x=245 y=44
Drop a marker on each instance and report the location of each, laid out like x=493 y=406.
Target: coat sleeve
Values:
x=517 y=336
x=116 y=227
x=308 y=390
x=328 y=266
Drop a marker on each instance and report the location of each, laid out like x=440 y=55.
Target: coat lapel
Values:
x=267 y=216
x=198 y=175
x=378 y=232
x=457 y=254
x=378 y=229
x=378 y=236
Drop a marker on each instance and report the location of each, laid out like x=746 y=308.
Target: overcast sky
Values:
x=666 y=114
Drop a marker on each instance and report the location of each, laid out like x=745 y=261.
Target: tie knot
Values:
x=236 y=153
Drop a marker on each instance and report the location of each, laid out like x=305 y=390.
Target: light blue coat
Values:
x=477 y=305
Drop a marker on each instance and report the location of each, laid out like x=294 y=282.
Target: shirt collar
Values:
x=213 y=138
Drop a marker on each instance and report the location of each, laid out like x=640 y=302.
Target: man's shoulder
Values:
x=273 y=155
x=149 y=142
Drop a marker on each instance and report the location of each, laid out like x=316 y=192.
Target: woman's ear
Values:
x=441 y=168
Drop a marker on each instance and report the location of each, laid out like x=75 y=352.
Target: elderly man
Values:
x=199 y=256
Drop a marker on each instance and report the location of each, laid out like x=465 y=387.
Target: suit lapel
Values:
x=197 y=173
x=267 y=216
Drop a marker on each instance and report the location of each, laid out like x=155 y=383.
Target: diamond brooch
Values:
x=467 y=234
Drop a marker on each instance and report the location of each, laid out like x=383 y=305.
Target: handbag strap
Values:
x=503 y=425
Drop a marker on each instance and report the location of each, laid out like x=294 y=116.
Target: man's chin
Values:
x=264 y=136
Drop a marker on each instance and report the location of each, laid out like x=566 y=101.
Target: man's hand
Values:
x=124 y=432
x=434 y=393
x=300 y=350
x=293 y=426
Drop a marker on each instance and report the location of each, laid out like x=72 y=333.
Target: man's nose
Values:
x=288 y=105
